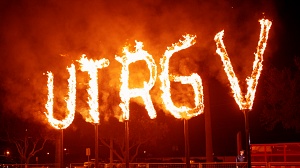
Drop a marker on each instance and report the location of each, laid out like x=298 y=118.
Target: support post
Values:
x=248 y=142
x=96 y=145
x=207 y=122
x=187 y=144
x=111 y=152
x=62 y=148
x=127 y=143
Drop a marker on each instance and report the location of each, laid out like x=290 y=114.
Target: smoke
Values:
x=40 y=36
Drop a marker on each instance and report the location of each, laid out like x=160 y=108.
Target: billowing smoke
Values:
x=40 y=36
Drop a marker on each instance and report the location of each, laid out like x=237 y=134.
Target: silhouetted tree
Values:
x=28 y=137
x=282 y=95
x=142 y=131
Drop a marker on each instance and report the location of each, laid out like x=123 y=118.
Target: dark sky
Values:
x=39 y=36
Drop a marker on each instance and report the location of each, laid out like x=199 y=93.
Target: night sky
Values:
x=40 y=36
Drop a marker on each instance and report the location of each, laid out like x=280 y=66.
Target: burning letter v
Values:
x=245 y=102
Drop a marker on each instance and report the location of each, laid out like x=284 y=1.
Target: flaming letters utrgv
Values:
x=92 y=66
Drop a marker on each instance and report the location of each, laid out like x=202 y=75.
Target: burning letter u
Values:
x=62 y=124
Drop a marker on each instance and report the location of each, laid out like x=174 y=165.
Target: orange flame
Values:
x=71 y=101
x=194 y=79
x=125 y=92
x=245 y=102
x=90 y=66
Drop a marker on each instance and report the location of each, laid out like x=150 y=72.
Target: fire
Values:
x=194 y=80
x=245 y=101
x=91 y=66
x=62 y=124
x=125 y=92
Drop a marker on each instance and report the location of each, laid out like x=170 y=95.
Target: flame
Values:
x=91 y=66
x=125 y=92
x=194 y=79
x=71 y=101
x=245 y=102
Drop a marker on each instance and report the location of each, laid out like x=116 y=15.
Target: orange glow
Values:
x=125 y=92
x=62 y=124
x=90 y=66
x=194 y=80
x=245 y=101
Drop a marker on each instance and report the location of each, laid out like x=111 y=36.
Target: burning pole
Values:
x=92 y=67
x=182 y=112
x=71 y=101
x=245 y=102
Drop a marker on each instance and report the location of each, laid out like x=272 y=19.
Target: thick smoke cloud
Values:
x=40 y=36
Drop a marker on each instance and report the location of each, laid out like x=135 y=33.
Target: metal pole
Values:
x=187 y=145
x=247 y=132
x=96 y=145
x=127 y=143
x=111 y=152
x=62 y=149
